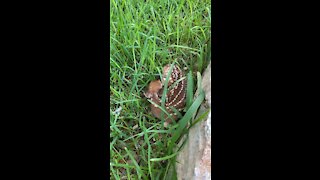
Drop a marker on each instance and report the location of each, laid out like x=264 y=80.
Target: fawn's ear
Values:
x=154 y=86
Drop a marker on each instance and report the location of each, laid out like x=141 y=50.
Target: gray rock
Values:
x=194 y=160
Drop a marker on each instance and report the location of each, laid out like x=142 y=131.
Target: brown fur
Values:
x=175 y=95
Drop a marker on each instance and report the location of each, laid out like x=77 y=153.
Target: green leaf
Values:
x=164 y=94
x=135 y=163
x=184 y=121
x=190 y=85
x=164 y=158
x=201 y=117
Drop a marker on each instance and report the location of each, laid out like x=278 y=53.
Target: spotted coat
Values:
x=176 y=93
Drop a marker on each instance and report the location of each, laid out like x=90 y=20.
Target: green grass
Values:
x=145 y=36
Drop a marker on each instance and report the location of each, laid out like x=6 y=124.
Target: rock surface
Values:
x=195 y=157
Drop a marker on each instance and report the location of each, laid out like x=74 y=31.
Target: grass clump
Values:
x=144 y=36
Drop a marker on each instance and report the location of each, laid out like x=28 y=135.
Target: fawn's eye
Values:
x=157 y=76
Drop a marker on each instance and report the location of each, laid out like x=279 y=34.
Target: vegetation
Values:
x=145 y=36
